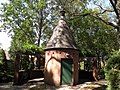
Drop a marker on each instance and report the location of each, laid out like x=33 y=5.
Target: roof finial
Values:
x=62 y=14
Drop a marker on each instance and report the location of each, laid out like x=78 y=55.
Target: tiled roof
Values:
x=62 y=37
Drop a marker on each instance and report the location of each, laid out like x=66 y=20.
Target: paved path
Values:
x=39 y=85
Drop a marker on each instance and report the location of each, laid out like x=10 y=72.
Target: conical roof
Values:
x=62 y=36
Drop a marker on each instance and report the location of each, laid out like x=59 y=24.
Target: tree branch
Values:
x=103 y=10
x=106 y=11
x=97 y=17
x=108 y=23
x=99 y=6
x=40 y=19
x=114 y=7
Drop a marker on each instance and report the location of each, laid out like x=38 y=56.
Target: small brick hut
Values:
x=61 y=56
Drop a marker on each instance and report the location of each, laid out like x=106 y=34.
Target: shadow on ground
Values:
x=86 y=82
x=38 y=84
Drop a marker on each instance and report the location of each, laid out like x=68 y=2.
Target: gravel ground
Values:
x=38 y=84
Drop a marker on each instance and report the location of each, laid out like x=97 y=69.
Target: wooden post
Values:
x=95 y=70
x=16 y=69
x=38 y=60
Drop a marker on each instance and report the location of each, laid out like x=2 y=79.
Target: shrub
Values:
x=6 y=68
x=112 y=71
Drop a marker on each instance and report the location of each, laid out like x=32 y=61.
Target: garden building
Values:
x=61 y=56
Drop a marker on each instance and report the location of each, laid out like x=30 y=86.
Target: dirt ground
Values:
x=38 y=84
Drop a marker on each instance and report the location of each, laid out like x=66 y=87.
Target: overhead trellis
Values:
x=31 y=49
x=29 y=60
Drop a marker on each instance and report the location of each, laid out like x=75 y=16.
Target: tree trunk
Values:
x=115 y=5
x=40 y=26
x=5 y=60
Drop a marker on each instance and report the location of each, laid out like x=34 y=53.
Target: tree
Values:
x=34 y=20
x=112 y=9
x=91 y=34
x=24 y=20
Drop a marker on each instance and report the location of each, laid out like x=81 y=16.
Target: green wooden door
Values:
x=66 y=71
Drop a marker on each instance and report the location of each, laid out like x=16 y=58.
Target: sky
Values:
x=4 y=39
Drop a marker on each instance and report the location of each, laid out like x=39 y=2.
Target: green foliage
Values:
x=26 y=23
x=6 y=73
x=27 y=48
x=92 y=35
x=1 y=56
x=23 y=21
x=112 y=71
x=32 y=48
x=1 y=61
